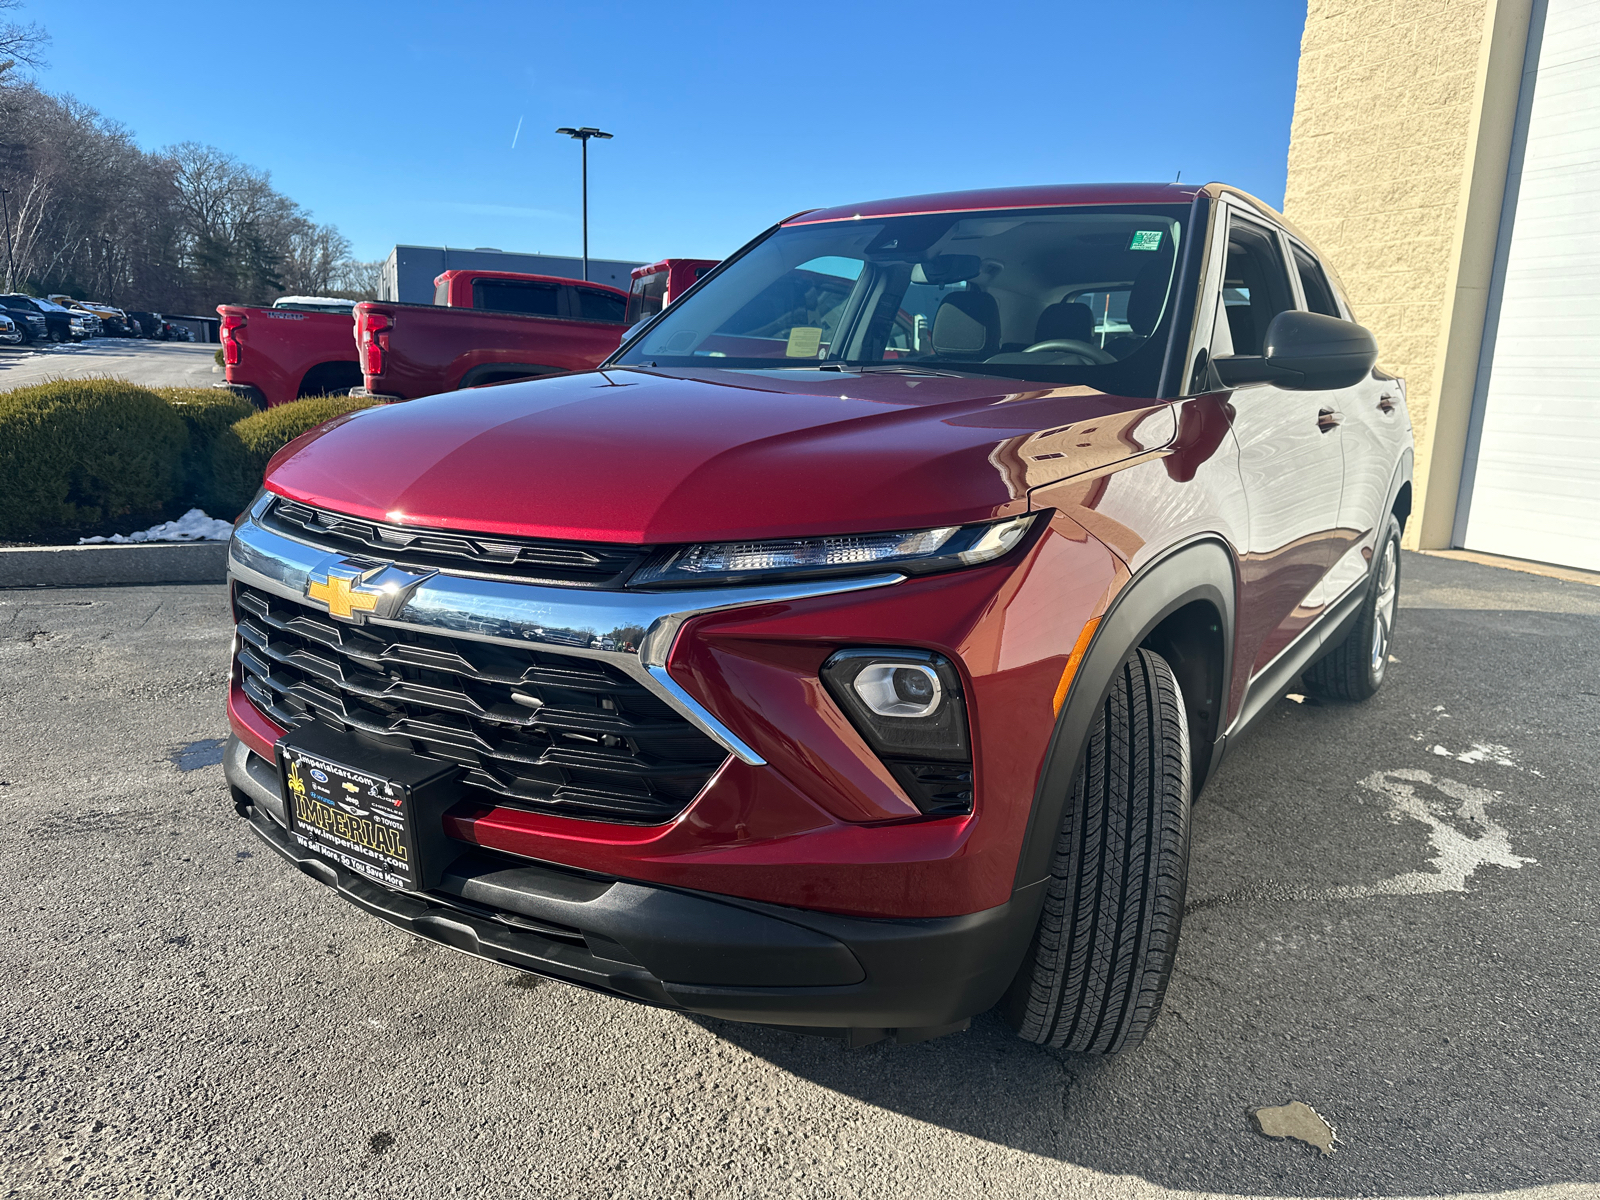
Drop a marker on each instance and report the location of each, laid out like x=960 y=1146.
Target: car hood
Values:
x=692 y=455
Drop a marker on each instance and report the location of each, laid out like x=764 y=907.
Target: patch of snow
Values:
x=1442 y=752
x=193 y=526
x=1491 y=751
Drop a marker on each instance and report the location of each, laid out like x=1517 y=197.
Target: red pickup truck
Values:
x=486 y=327
x=274 y=355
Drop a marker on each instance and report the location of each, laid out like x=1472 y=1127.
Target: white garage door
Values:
x=1536 y=489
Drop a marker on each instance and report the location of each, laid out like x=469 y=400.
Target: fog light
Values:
x=908 y=706
x=898 y=690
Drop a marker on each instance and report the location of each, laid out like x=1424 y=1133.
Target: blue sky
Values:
x=395 y=121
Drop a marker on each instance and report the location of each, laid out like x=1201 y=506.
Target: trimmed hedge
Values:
x=86 y=456
x=239 y=461
x=209 y=414
x=78 y=454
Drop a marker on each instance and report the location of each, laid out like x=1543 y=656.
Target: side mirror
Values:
x=1305 y=352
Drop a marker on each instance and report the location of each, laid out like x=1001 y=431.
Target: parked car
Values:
x=30 y=320
x=326 y=304
x=149 y=325
x=486 y=327
x=275 y=355
x=933 y=602
x=10 y=335
x=111 y=321
x=61 y=325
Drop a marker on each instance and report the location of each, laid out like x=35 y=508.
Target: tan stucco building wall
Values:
x=1397 y=164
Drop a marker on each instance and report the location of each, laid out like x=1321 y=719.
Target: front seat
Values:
x=1149 y=296
x=1064 y=321
x=967 y=326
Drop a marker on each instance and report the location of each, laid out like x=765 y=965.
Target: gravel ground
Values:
x=1392 y=920
x=153 y=364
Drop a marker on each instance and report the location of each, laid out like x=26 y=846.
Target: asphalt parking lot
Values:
x=1392 y=919
x=152 y=364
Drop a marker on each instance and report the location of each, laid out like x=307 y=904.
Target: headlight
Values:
x=912 y=552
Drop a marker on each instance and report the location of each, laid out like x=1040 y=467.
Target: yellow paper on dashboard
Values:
x=804 y=342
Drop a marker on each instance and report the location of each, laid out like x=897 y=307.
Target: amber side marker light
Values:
x=1074 y=661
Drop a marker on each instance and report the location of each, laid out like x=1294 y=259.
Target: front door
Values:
x=1289 y=456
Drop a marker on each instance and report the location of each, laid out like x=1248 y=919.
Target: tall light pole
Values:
x=11 y=266
x=583 y=135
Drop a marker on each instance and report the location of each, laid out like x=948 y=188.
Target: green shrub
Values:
x=208 y=414
x=79 y=454
x=239 y=460
x=221 y=362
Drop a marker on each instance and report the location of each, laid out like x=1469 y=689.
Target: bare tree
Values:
x=19 y=44
x=92 y=215
x=358 y=280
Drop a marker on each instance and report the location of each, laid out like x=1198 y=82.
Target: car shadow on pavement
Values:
x=1391 y=919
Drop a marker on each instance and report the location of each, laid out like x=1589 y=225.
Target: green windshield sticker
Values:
x=1146 y=239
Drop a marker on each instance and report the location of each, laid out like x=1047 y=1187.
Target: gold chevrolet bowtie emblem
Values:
x=342 y=600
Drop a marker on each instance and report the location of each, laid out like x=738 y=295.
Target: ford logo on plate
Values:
x=318 y=776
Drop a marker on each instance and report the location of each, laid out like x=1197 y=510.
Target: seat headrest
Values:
x=1149 y=295
x=967 y=325
x=1065 y=321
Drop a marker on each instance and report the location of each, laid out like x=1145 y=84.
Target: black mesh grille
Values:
x=545 y=731
x=580 y=564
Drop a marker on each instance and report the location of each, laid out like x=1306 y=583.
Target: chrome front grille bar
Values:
x=569 y=621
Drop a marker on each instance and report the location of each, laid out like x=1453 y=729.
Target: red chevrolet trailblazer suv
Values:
x=844 y=653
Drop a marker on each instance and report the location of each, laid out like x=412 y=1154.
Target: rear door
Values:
x=1290 y=456
x=1371 y=417
x=593 y=304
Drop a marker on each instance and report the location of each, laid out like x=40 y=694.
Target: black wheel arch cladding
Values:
x=1199 y=571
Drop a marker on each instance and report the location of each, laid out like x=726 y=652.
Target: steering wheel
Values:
x=1072 y=346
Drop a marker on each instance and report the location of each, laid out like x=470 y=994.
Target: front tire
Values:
x=1354 y=669
x=1096 y=974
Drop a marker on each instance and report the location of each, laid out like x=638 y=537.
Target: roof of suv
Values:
x=989 y=199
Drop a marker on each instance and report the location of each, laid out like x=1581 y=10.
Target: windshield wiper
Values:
x=882 y=368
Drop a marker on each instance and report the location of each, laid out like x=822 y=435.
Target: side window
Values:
x=514 y=296
x=595 y=305
x=646 y=296
x=1319 y=296
x=1255 y=288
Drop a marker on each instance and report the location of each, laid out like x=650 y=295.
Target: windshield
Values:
x=1071 y=295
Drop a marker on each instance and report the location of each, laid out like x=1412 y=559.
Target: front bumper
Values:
x=853 y=977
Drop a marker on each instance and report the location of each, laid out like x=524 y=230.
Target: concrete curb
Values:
x=92 y=566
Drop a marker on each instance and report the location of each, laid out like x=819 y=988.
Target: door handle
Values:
x=1386 y=402
x=1327 y=419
